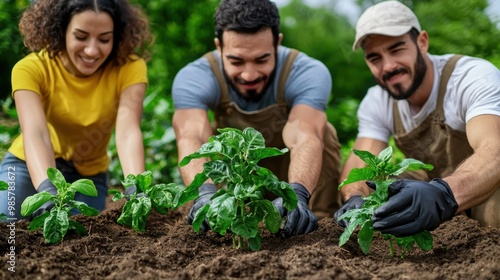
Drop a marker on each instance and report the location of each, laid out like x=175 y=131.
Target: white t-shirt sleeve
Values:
x=475 y=90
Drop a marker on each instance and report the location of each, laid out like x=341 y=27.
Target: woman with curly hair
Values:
x=85 y=77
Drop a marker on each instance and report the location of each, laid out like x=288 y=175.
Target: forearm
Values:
x=185 y=147
x=39 y=157
x=477 y=178
x=305 y=162
x=130 y=148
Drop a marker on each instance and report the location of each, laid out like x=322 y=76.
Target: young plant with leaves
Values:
x=380 y=173
x=161 y=197
x=55 y=223
x=239 y=205
x=3 y=187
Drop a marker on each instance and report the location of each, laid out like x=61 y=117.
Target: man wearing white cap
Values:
x=443 y=110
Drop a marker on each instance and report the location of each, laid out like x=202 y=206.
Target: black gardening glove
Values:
x=131 y=190
x=46 y=186
x=354 y=202
x=301 y=220
x=206 y=192
x=414 y=206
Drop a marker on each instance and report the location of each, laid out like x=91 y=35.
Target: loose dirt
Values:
x=170 y=249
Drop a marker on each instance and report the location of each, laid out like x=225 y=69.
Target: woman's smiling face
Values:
x=89 y=42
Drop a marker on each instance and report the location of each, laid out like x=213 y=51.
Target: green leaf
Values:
x=56 y=178
x=129 y=180
x=358 y=174
x=85 y=209
x=424 y=240
x=255 y=155
x=55 y=226
x=38 y=221
x=3 y=186
x=84 y=186
x=199 y=217
x=365 y=236
x=385 y=155
x=255 y=242
x=367 y=157
x=140 y=213
x=217 y=170
x=247 y=226
x=221 y=213
x=32 y=203
x=77 y=227
x=144 y=180
x=272 y=218
x=344 y=237
x=410 y=164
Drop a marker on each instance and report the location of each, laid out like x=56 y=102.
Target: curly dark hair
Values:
x=44 y=25
x=247 y=16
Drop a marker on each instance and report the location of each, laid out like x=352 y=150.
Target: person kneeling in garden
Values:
x=250 y=80
x=86 y=74
x=443 y=110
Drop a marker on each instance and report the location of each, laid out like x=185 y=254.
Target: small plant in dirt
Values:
x=3 y=187
x=161 y=197
x=55 y=223
x=239 y=205
x=381 y=172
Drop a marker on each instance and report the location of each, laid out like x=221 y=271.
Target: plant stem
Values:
x=391 y=247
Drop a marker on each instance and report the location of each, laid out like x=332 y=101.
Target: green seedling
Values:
x=381 y=171
x=161 y=197
x=239 y=205
x=55 y=223
x=3 y=187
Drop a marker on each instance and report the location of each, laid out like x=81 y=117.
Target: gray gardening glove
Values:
x=414 y=206
x=131 y=190
x=46 y=186
x=206 y=192
x=354 y=202
x=301 y=220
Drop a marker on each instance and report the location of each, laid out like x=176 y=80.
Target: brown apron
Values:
x=436 y=143
x=270 y=121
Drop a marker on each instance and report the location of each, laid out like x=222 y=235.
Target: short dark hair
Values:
x=414 y=34
x=247 y=16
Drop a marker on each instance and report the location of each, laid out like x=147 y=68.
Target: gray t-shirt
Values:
x=309 y=83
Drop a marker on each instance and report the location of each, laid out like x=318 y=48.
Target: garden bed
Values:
x=170 y=249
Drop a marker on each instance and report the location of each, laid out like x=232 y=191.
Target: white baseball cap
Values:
x=390 y=18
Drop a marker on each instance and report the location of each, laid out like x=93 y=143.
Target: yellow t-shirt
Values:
x=80 y=111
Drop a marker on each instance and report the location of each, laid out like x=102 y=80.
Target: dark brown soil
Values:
x=170 y=249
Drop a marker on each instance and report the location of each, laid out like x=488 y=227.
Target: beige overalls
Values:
x=270 y=121
x=436 y=143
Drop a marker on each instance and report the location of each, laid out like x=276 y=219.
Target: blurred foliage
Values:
x=184 y=31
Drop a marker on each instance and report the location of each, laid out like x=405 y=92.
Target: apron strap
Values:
x=445 y=76
x=443 y=82
x=285 y=71
x=214 y=65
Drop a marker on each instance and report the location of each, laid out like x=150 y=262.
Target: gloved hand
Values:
x=131 y=190
x=46 y=186
x=301 y=220
x=207 y=190
x=354 y=202
x=414 y=206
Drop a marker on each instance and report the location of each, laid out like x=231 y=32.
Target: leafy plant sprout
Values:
x=161 y=197
x=55 y=223
x=381 y=171
x=239 y=205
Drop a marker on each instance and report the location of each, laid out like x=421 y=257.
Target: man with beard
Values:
x=250 y=80
x=439 y=113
